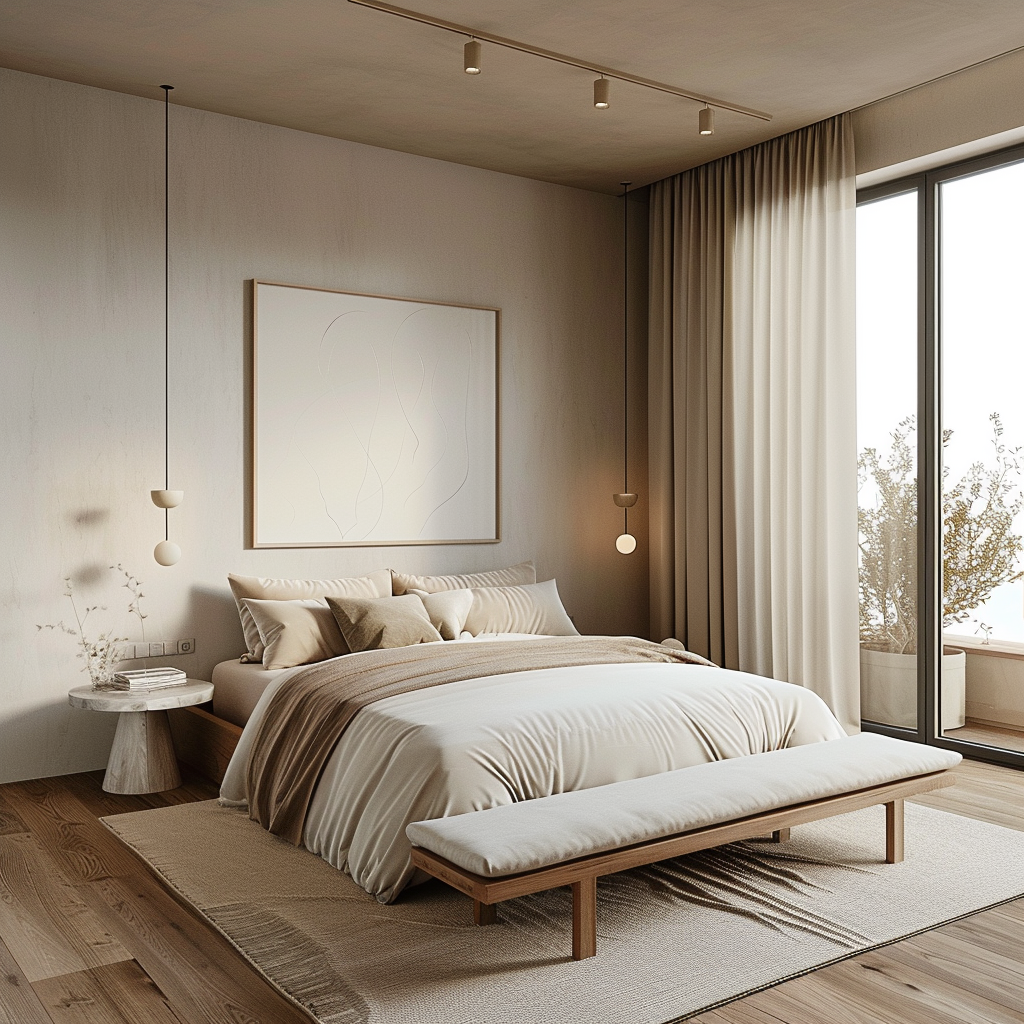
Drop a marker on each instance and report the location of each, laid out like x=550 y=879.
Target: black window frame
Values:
x=927 y=186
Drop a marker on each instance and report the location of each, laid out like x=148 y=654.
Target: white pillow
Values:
x=296 y=632
x=262 y=588
x=514 y=575
x=447 y=610
x=534 y=608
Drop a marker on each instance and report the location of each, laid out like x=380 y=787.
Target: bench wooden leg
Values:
x=780 y=835
x=894 y=832
x=484 y=913
x=584 y=918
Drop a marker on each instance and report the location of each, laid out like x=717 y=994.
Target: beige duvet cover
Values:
x=498 y=739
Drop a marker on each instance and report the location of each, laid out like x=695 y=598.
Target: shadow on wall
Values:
x=219 y=633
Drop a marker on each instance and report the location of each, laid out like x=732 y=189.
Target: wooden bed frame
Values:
x=203 y=741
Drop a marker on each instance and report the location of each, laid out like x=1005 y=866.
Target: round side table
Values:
x=142 y=758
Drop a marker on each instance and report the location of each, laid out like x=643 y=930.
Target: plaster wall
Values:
x=81 y=337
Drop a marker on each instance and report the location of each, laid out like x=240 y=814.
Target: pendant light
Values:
x=166 y=552
x=625 y=544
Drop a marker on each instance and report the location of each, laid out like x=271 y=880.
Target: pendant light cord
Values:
x=167 y=307
x=625 y=350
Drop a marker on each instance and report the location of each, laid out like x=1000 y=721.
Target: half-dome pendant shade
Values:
x=706 y=121
x=471 y=57
x=167 y=499
x=602 y=93
x=624 y=500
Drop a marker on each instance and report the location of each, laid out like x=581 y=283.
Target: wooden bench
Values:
x=573 y=838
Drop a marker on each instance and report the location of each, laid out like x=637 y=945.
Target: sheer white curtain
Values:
x=753 y=458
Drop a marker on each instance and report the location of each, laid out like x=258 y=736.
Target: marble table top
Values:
x=192 y=691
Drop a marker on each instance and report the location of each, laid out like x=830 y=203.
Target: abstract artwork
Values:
x=375 y=420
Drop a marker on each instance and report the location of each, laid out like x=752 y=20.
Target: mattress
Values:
x=237 y=688
x=498 y=739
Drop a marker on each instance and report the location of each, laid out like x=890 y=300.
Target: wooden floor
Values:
x=87 y=935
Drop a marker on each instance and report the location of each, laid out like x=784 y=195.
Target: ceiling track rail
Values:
x=560 y=58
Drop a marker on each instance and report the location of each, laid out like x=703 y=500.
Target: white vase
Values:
x=888 y=688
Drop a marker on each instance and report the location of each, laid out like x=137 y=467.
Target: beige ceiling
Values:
x=330 y=67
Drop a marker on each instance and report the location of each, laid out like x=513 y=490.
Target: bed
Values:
x=503 y=737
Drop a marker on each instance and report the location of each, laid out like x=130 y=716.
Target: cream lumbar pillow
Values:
x=534 y=608
x=374 y=624
x=296 y=632
x=513 y=576
x=262 y=588
x=447 y=610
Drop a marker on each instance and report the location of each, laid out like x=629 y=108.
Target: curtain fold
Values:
x=753 y=477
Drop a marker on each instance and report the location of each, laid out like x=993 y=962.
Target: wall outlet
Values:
x=186 y=646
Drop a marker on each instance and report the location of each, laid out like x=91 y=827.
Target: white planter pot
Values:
x=888 y=688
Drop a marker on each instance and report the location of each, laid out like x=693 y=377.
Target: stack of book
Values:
x=139 y=680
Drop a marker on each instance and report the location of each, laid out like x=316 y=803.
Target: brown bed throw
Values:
x=306 y=717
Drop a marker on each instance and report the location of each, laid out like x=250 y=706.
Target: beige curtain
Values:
x=753 y=478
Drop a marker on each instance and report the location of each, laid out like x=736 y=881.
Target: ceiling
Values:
x=333 y=68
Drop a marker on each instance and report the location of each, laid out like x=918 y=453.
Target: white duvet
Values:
x=498 y=739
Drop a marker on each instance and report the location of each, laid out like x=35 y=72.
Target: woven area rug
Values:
x=673 y=939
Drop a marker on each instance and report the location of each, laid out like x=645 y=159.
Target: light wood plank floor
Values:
x=87 y=935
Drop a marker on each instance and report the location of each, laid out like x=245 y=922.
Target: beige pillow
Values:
x=447 y=610
x=296 y=632
x=373 y=624
x=261 y=588
x=534 y=608
x=513 y=576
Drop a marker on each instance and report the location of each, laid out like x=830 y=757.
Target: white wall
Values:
x=81 y=336
x=977 y=103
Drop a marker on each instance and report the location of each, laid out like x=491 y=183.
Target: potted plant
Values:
x=980 y=551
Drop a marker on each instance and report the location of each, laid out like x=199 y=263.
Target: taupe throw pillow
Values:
x=296 y=632
x=262 y=588
x=373 y=624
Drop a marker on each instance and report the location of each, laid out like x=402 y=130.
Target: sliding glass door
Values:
x=940 y=341
x=887 y=343
x=981 y=301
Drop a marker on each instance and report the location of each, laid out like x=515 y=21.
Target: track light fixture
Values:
x=602 y=85
x=471 y=57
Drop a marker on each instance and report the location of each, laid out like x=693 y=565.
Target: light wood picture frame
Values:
x=374 y=420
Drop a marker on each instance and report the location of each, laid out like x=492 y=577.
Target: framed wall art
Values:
x=375 y=420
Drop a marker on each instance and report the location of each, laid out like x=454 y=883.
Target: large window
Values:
x=887 y=331
x=940 y=336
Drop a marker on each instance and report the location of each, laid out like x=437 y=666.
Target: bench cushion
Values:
x=537 y=833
